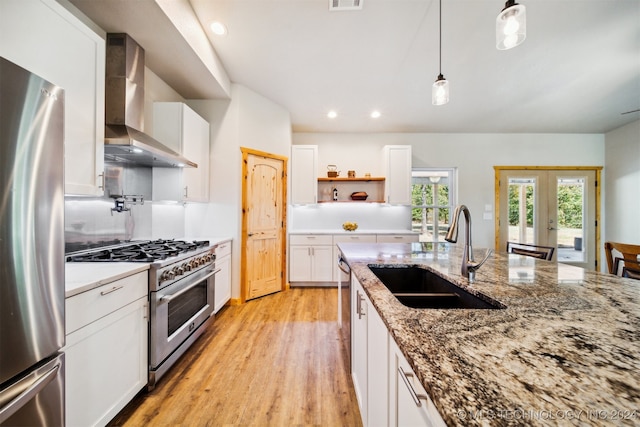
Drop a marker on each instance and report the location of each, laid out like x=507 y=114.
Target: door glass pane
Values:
x=522 y=210
x=570 y=218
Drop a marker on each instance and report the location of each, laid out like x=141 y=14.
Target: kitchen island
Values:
x=564 y=351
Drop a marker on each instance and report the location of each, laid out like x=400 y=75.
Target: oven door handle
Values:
x=169 y=298
x=346 y=269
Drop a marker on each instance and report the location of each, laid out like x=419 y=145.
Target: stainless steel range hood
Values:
x=124 y=142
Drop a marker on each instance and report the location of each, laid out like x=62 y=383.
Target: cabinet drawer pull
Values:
x=115 y=288
x=416 y=397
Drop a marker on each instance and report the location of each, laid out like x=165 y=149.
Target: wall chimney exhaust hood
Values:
x=124 y=142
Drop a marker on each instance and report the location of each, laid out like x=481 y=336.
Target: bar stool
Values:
x=536 y=251
x=625 y=265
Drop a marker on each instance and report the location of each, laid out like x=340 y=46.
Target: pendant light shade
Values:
x=511 y=25
x=440 y=91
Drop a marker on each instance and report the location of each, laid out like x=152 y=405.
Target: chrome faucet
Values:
x=469 y=266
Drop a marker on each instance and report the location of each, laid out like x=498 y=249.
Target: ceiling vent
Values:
x=340 y=5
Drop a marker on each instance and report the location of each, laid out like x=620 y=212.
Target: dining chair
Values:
x=626 y=265
x=535 y=251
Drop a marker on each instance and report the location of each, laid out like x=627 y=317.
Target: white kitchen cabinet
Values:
x=106 y=350
x=359 y=311
x=347 y=238
x=409 y=404
x=303 y=174
x=222 y=292
x=48 y=40
x=377 y=367
x=397 y=238
x=397 y=169
x=369 y=362
x=310 y=258
x=183 y=130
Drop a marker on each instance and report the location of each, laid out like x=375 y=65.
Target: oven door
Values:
x=177 y=311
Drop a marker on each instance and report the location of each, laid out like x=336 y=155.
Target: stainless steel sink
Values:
x=420 y=288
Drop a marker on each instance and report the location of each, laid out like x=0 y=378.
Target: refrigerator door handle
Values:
x=26 y=389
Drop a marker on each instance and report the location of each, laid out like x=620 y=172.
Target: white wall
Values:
x=622 y=184
x=474 y=156
x=247 y=120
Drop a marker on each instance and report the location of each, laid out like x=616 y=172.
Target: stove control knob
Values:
x=167 y=275
x=186 y=267
x=193 y=263
x=177 y=271
x=208 y=258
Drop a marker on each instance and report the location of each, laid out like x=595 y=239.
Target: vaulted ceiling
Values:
x=577 y=71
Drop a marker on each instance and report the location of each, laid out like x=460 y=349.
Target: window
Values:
x=433 y=199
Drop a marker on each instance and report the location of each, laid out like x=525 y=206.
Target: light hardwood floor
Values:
x=274 y=361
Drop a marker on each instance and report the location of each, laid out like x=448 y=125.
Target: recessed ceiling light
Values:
x=332 y=114
x=218 y=28
x=375 y=114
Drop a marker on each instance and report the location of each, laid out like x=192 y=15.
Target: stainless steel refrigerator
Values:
x=31 y=249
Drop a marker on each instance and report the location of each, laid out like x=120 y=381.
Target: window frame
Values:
x=451 y=174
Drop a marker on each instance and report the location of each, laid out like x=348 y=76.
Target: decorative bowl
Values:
x=350 y=226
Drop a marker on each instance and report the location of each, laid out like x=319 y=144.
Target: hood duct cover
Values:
x=124 y=110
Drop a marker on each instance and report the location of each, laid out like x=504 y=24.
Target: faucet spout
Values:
x=469 y=265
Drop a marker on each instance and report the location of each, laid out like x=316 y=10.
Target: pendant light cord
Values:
x=440 y=53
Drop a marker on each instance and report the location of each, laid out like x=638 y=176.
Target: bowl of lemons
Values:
x=350 y=226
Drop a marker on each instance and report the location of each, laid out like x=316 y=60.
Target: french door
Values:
x=550 y=207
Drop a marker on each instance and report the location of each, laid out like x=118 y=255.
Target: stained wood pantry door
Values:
x=263 y=223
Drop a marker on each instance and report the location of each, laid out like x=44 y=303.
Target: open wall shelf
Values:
x=373 y=186
x=361 y=179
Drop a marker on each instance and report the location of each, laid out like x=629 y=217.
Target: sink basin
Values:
x=420 y=288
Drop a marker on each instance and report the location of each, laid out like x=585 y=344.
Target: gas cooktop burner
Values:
x=147 y=251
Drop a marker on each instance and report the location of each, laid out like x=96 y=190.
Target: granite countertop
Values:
x=564 y=351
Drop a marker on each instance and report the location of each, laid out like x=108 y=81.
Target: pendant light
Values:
x=440 y=89
x=511 y=25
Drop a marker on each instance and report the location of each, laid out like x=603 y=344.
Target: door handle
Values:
x=551 y=228
x=28 y=389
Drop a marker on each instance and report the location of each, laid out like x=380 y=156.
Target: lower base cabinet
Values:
x=222 y=292
x=409 y=403
x=312 y=257
x=369 y=361
x=388 y=392
x=106 y=355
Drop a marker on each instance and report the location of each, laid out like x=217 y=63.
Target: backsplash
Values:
x=90 y=222
x=122 y=214
x=368 y=216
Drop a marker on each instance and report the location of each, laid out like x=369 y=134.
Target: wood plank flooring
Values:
x=274 y=361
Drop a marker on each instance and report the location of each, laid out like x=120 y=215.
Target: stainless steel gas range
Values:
x=181 y=293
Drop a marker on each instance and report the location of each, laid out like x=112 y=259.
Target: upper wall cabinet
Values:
x=397 y=169
x=183 y=130
x=304 y=173
x=48 y=40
